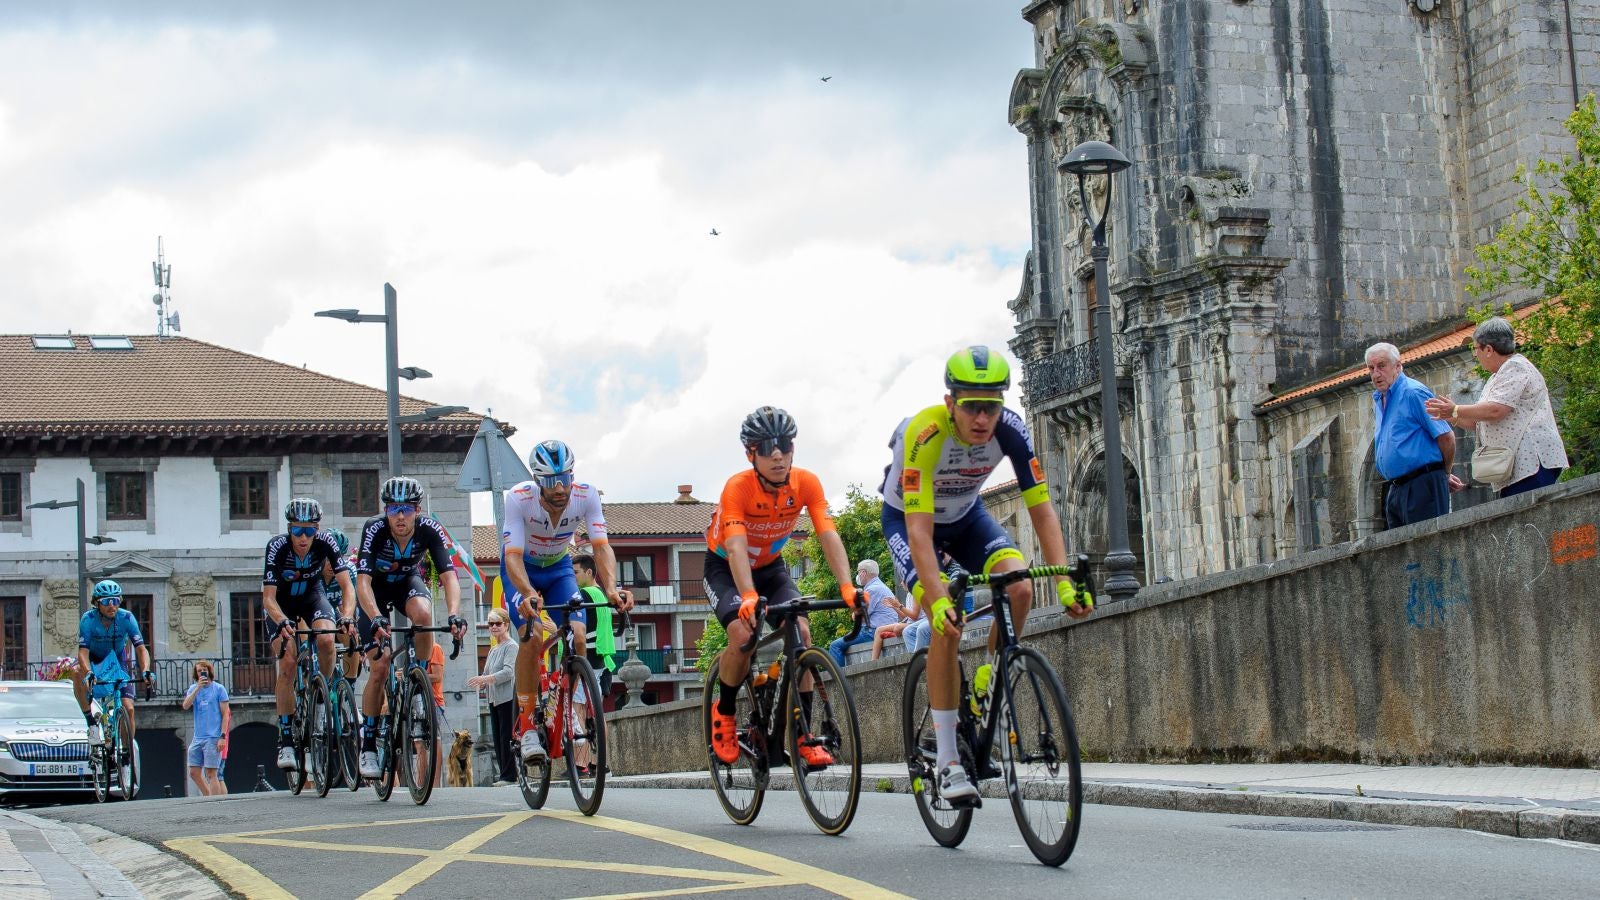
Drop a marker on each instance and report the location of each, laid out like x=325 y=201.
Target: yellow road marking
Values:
x=779 y=871
x=431 y=864
x=233 y=872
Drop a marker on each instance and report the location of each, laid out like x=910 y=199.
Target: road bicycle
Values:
x=308 y=721
x=772 y=713
x=408 y=729
x=339 y=735
x=1014 y=721
x=571 y=716
x=114 y=762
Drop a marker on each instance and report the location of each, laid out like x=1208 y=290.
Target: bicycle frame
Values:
x=788 y=631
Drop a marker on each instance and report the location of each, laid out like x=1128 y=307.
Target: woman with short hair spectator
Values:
x=499 y=680
x=1513 y=411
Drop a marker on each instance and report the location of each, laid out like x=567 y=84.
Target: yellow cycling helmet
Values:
x=976 y=368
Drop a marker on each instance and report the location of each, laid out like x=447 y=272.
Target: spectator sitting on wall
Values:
x=882 y=609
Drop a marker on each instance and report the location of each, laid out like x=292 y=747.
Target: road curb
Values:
x=1494 y=818
x=154 y=873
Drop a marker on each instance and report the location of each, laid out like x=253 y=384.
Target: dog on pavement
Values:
x=460 y=759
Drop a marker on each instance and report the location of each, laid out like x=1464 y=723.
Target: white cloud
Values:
x=559 y=272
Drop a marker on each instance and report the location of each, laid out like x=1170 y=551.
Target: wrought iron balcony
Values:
x=1070 y=370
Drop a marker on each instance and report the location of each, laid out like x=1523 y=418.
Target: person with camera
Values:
x=212 y=720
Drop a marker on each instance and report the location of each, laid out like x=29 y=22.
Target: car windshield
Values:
x=36 y=702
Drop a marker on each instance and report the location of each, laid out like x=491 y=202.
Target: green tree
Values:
x=1552 y=248
x=860 y=527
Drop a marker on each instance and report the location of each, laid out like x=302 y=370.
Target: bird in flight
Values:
x=715 y=232
x=827 y=78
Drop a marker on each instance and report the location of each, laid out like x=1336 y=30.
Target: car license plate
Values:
x=56 y=768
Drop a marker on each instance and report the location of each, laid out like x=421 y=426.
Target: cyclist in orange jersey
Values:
x=754 y=518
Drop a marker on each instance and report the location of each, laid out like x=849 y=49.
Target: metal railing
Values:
x=662 y=662
x=242 y=677
x=1074 y=368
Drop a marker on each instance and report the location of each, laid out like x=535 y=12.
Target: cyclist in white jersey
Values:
x=542 y=516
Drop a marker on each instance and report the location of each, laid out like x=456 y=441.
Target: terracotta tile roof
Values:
x=1456 y=341
x=633 y=520
x=184 y=386
x=485 y=544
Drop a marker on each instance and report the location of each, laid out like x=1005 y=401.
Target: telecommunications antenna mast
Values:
x=166 y=321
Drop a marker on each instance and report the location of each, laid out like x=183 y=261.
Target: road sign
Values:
x=491 y=464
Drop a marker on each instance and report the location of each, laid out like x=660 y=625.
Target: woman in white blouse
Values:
x=1513 y=411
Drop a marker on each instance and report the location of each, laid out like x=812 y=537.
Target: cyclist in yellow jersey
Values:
x=942 y=456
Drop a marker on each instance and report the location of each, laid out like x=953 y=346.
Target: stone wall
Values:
x=1468 y=639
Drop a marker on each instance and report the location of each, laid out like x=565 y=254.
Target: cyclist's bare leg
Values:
x=419 y=609
x=805 y=641
x=324 y=649
x=1021 y=595
x=529 y=653
x=284 y=689
x=735 y=663
x=127 y=710
x=377 y=675
x=352 y=661
x=80 y=687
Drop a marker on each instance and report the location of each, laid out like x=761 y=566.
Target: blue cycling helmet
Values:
x=550 y=458
x=107 y=590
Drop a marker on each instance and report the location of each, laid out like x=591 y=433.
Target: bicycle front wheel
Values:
x=947 y=824
x=299 y=736
x=345 y=732
x=824 y=742
x=1043 y=774
x=126 y=764
x=420 y=736
x=741 y=785
x=583 y=735
x=533 y=778
x=319 y=752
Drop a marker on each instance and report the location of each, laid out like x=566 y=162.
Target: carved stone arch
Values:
x=1369 y=492
x=1024 y=100
x=1086 y=525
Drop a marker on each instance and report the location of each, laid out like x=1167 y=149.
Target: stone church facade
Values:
x=1309 y=177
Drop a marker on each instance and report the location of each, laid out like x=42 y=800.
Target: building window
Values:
x=360 y=492
x=251 y=640
x=125 y=495
x=11 y=496
x=13 y=638
x=247 y=495
x=635 y=571
x=143 y=608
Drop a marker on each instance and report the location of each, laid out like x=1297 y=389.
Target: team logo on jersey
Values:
x=925 y=435
x=911 y=481
x=1036 y=469
x=788 y=501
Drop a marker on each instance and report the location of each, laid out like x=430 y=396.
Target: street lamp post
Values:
x=1100 y=158
x=84 y=540
x=392 y=370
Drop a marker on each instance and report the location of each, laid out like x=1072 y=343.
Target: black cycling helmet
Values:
x=401 y=489
x=768 y=423
x=303 y=509
x=976 y=368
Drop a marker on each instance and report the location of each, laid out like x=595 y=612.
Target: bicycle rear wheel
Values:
x=947 y=824
x=420 y=736
x=1043 y=776
x=824 y=729
x=298 y=737
x=583 y=735
x=741 y=785
x=346 y=732
x=319 y=752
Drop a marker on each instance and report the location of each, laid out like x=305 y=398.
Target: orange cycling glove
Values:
x=747 y=607
x=848 y=592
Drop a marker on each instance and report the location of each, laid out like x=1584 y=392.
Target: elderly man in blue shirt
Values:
x=1412 y=452
x=882 y=609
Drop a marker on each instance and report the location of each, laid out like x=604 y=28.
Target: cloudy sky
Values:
x=538 y=181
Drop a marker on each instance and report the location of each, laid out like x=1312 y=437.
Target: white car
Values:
x=44 y=744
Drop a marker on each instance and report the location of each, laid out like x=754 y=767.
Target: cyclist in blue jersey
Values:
x=103 y=633
x=291 y=592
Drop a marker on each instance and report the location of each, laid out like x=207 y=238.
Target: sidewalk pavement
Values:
x=40 y=858
x=1508 y=800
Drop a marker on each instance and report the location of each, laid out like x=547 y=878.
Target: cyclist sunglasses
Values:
x=765 y=447
x=981 y=406
x=549 y=482
x=302 y=531
x=400 y=509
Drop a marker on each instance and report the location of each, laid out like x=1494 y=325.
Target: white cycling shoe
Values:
x=954 y=785
x=95 y=736
x=532 y=747
x=369 y=764
x=286 y=757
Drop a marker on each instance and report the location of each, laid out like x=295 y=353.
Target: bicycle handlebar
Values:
x=795 y=608
x=455 y=649
x=304 y=632
x=1078 y=573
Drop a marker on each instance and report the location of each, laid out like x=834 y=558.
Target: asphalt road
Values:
x=481 y=842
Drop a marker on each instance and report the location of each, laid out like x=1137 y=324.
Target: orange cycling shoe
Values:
x=724 y=737
x=812 y=753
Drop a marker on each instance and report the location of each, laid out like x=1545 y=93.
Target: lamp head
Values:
x=1093 y=158
x=349 y=315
